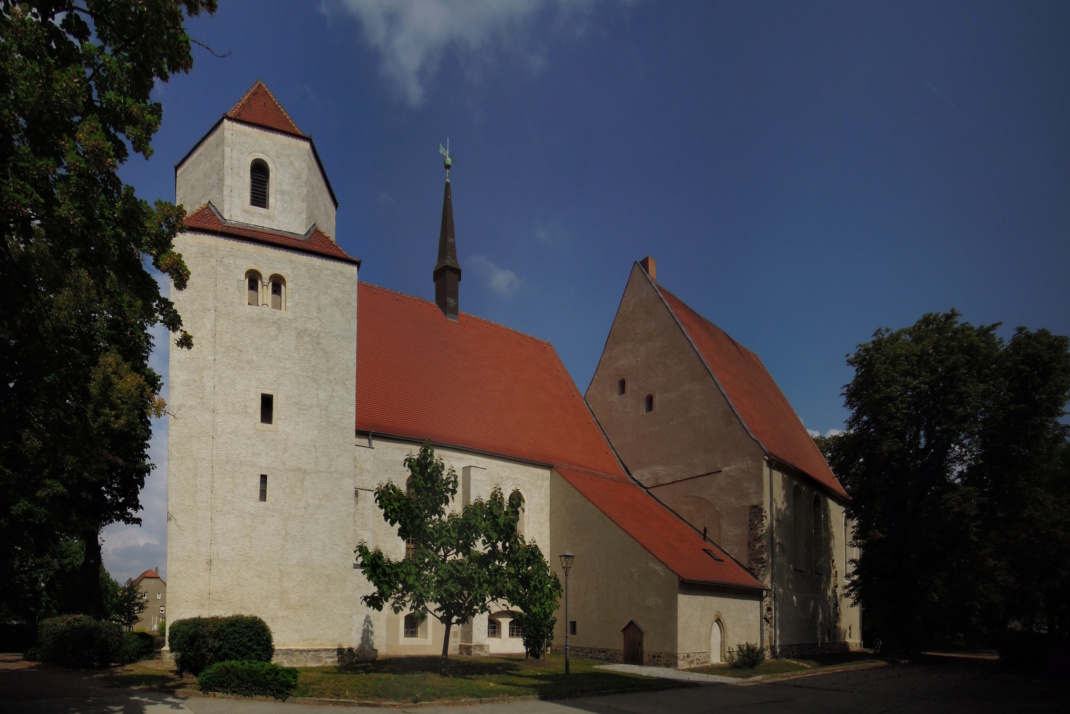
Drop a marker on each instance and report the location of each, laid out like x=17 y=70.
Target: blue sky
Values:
x=803 y=173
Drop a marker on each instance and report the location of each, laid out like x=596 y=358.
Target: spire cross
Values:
x=445 y=151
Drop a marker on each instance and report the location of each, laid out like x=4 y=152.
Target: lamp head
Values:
x=566 y=561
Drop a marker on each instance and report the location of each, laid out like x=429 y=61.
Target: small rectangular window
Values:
x=161 y=609
x=571 y=627
x=263 y=487
x=492 y=628
x=267 y=409
x=159 y=596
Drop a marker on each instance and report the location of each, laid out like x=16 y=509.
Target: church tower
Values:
x=262 y=408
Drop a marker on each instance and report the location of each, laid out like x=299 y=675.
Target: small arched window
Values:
x=259 y=180
x=622 y=387
x=278 y=292
x=252 y=288
x=648 y=403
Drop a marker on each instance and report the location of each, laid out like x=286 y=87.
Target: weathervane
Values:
x=445 y=151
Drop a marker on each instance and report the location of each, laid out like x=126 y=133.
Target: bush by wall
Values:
x=249 y=679
x=199 y=642
x=136 y=647
x=746 y=656
x=78 y=641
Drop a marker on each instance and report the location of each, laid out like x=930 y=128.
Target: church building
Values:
x=307 y=388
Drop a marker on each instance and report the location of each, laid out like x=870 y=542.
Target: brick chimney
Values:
x=447 y=273
x=649 y=267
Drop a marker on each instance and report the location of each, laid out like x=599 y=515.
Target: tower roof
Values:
x=260 y=107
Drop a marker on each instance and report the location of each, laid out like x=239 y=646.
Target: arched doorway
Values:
x=633 y=643
x=717 y=642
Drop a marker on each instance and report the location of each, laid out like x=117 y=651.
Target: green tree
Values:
x=129 y=605
x=535 y=590
x=933 y=449
x=457 y=563
x=77 y=299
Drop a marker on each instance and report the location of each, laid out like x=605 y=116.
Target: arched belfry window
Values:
x=259 y=179
x=252 y=288
x=278 y=292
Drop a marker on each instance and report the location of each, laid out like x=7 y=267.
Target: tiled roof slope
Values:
x=155 y=574
x=754 y=395
x=260 y=107
x=208 y=219
x=667 y=537
x=469 y=383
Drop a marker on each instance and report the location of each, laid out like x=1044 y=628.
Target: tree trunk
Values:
x=88 y=598
x=446 y=641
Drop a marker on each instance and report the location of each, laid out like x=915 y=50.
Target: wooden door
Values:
x=633 y=644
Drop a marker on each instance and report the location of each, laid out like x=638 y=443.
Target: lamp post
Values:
x=566 y=565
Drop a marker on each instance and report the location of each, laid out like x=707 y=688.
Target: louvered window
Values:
x=259 y=177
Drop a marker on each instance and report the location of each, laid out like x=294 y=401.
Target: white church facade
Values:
x=306 y=388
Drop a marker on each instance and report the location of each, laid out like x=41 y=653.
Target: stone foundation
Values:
x=814 y=648
x=322 y=657
x=466 y=648
x=671 y=660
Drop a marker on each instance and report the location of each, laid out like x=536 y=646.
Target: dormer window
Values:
x=252 y=288
x=259 y=178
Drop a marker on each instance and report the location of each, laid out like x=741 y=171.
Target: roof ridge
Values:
x=259 y=84
x=466 y=314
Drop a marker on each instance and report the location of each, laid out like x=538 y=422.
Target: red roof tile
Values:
x=155 y=574
x=665 y=535
x=754 y=395
x=207 y=219
x=260 y=107
x=469 y=383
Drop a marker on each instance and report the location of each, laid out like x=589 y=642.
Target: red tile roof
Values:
x=666 y=536
x=208 y=220
x=155 y=574
x=754 y=395
x=260 y=107
x=469 y=383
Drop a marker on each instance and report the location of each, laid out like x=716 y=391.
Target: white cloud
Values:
x=412 y=36
x=830 y=432
x=502 y=281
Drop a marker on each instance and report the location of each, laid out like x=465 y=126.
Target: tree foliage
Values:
x=129 y=605
x=76 y=298
x=457 y=563
x=951 y=457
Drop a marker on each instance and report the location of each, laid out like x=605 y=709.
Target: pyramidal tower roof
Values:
x=260 y=107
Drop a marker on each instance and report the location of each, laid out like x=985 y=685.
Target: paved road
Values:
x=942 y=687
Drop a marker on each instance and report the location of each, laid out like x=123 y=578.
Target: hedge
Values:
x=249 y=679
x=199 y=642
x=136 y=647
x=78 y=641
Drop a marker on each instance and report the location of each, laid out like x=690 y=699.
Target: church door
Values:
x=633 y=644
x=716 y=638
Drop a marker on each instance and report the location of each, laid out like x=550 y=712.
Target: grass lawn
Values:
x=416 y=679
x=147 y=674
x=841 y=660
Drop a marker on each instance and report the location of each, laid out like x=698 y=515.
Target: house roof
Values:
x=755 y=397
x=260 y=107
x=665 y=535
x=469 y=383
x=154 y=574
x=208 y=220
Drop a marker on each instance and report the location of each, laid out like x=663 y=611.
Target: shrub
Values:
x=199 y=642
x=746 y=656
x=249 y=679
x=136 y=647
x=78 y=641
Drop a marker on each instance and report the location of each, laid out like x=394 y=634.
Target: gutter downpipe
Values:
x=774 y=639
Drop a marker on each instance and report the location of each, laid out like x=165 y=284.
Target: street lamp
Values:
x=566 y=565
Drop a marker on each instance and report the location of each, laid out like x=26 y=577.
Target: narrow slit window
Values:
x=259 y=178
x=263 y=487
x=648 y=403
x=622 y=387
x=571 y=627
x=267 y=409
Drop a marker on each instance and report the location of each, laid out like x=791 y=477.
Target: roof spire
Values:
x=447 y=273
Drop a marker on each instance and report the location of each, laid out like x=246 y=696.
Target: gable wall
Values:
x=701 y=605
x=691 y=450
